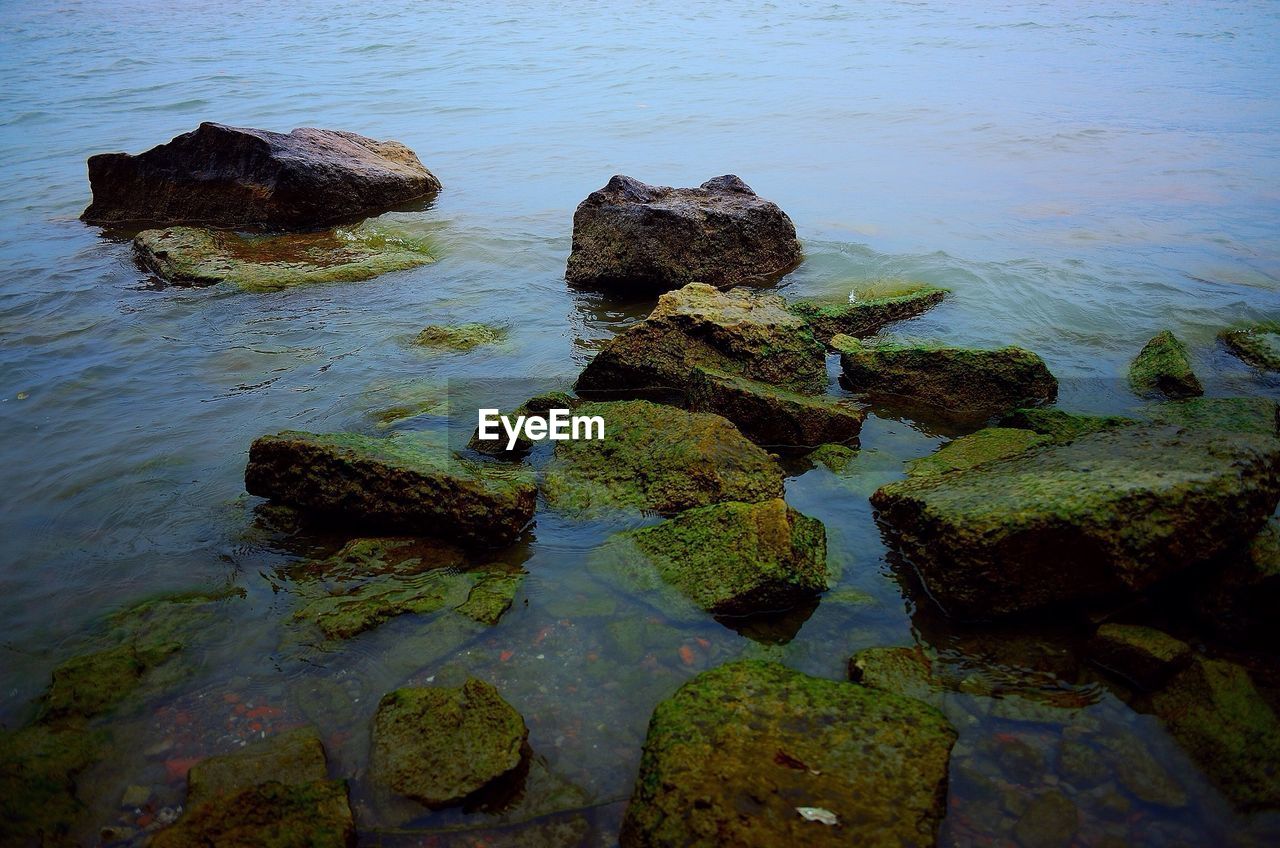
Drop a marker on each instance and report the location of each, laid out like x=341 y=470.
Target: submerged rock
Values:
x=961 y=382
x=1163 y=367
x=401 y=482
x=460 y=338
x=755 y=754
x=1239 y=415
x=1214 y=711
x=292 y=757
x=659 y=458
x=39 y=764
x=1143 y=655
x=491 y=597
x=1049 y=821
x=439 y=746
x=630 y=236
x=1060 y=425
x=772 y=416
x=89 y=684
x=233 y=177
x=904 y=671
x=728 y=558
x=1110 y=512
x=975 y=449
x=280 y=815
x=1258 y=344
x=866 y=317
x=193 y=256
x=738 y=333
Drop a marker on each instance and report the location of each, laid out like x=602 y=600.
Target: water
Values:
x=1078 y=174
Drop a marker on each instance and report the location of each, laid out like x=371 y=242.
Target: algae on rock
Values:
x=1163 y=367
x=861 y=317
x=460 y=338
x=1257 y=344
x=975 y=449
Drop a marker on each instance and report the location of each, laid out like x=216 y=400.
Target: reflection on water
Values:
x=1077 y=176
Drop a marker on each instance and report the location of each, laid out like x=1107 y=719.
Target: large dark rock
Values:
x=755 y=754
x=236 y=177
x=1112 y=511
x=635 y=237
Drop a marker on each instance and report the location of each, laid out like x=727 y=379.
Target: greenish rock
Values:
x=1050 y=821
x=903 y=671
x=400 y=482
x=1258 y=344
x=739 y=333
x=195 y=256
x=975 y=449
x=269 y=815
x=659 y=458
x=835 y=458
x=39 y=764
x=535 y=407
x=1015 y=759
x=1081 y=765
x=1060 y=425
x=1236 y=415
x=87 y=685
x=1110 y=512
x=1163 y=367
x=461 y=338
x=290 y=758
x=1139 y=773
x=363 y=558
x=866 y=316
x=491 y=597
x=1238 y=599
x=440 y=746
x=960 y=382
x=1142 y=655
x=1217 y=715
x=728 y=558
x=350 y=611
x=740 y=753
x=769 y=415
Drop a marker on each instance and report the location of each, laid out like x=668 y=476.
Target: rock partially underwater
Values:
x=1163 y=367
x=193 y=256
x=1257 y=344
x=240 y=177
x=460 y=338
x=866 y=316
x=629 y=236
x=755 y=754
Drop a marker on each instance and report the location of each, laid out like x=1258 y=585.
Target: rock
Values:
x=440 y=746
x=294 y=815
x=834 y=458
x=773 y=416
x=290 y=758
x=739 y=333
x=866 y=317
x=1238 y=599
x=236 y=177
x=1016 y=760
x=728 y=558
x=975 y=449
x=89 y=684
x=1138 y=772
x=1060 y=425
x=739 y=753
x=658 y=458
x=491 y=597
x=961 y=382
x=634 y=237
x=1213 y=710
x=401 y=482
x=461 y=338
x=1258 y=344
x=1112 y=511
x=1050 y=821
x=1238 y=415
x=1163 y=367
x=1080 y=765
x=903 y=671
x=193 y=256
x=1143 y=655
x=38 y=769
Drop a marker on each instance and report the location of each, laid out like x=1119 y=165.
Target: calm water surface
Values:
x=1079 y=174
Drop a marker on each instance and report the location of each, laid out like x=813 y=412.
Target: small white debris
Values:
x=818 y=814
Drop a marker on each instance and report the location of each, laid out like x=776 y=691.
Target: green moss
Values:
x=1143 y=655
x=88 y=685
x=1164 y=367
x=461 y=338
x=659 y=458
x=1257 y=344
x=974 y=450
x=1060 y=425
x=835 y=458
x=38 y=767
x=491 y=597
x=438 y=745
x=903 y=671
x=769 y=415
x=1239 y=415
x=350 y=612
x=868 y=314
x=197 y=256
x=293 y=757
x=271 y=815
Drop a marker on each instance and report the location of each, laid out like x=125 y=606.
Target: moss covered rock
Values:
x=461 y=338
x=268 y=815
x=1238 y=415
x=659 y=458
x=754 y=754
x=1257 y=344
x=1143 y=655
x=728 y=558
x=439 y=746
x=87 y=685
x=1214 y=711
x=866 y=316
x=1112 y=511
x=769 y=415
x=739 y=333
x=904 y=671
x=293 y=757
x=1163 y=367
x=1060 y=425
x=961 y=382
x=491 y=597
x=38 y=768
x=193 y=256
x=401 y=482
x=975 y=449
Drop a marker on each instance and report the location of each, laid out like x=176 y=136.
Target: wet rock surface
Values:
x=1143 y=655
x=1061 y=425
x=629 y=236
x=975 y=449
x=241 y=177
x=461 y=338
x=1163 y=367
x=752 y=753
x=864 y=317
x=315 y=814
x=773 y=416
x=1237 y=415
x=1110 y=512
x=1257 y=345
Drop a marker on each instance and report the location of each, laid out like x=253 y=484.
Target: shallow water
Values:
x=1079 y=175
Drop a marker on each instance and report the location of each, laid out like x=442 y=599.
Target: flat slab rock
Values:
x=755 y=754
x=866 y=316
x=399 y=483
x=1113 y=511
x=631 y=236
x=242 y=177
